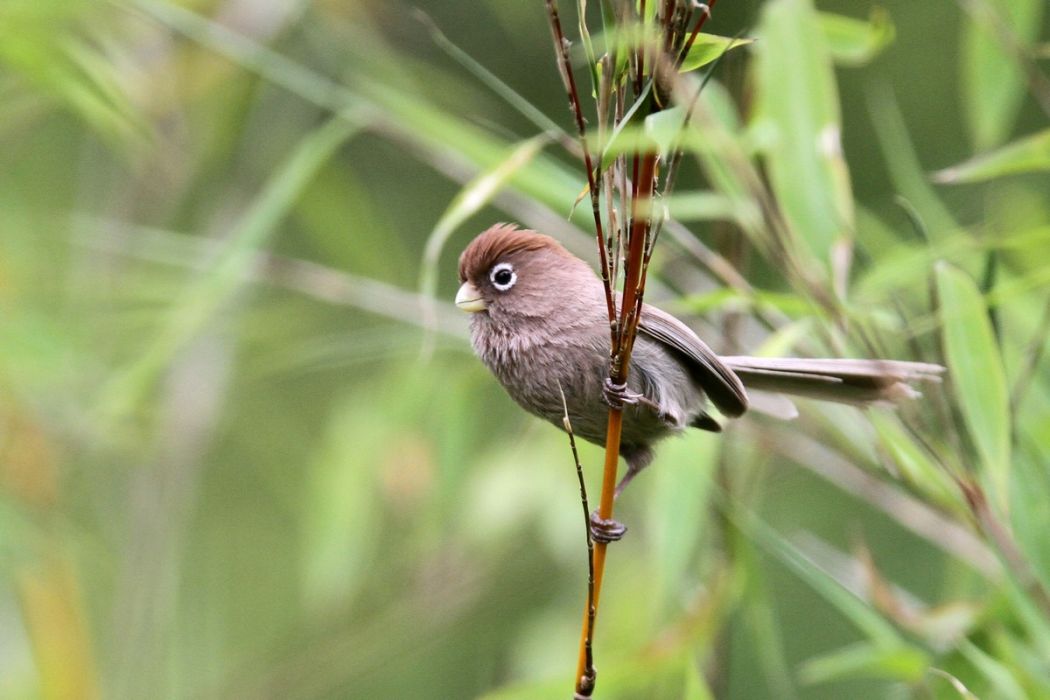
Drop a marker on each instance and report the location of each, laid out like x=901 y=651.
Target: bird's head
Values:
x=507 y=273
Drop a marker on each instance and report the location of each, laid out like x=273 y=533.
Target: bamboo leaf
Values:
x=699 y=205
x=490 y=79
x=877 y=629
x=665 y=127
x=1027 y=155
x=623 y=138
x=903 y=662
x=680 y=493
x=977 y=374
x=798 y=112
x=855 y=42
x=998 y=676
x=708 y=47
x=993 y=78
x=916 y=468
x=905 y=170
x=339 y=538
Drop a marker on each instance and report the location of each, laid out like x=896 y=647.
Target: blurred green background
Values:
x=242 y=457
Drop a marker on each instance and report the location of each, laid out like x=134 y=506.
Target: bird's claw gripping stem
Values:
x=606 y=529
x=618 y=395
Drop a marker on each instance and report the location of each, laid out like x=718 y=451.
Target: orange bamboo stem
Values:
x=622 y=356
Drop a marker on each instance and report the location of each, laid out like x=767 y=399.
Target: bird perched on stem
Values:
x=540 y=324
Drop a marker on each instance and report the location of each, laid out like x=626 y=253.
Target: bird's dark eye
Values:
x=503 y=276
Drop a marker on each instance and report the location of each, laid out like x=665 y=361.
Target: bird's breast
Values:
x=539 y=365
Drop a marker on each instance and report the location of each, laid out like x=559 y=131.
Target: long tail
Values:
x=846 y=381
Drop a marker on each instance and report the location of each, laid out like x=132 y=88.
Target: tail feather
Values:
x=857 y=382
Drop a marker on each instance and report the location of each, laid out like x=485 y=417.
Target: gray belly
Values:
x=536 y=376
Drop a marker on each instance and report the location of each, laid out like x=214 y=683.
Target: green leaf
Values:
x=665 y=127
x=492 y=81
x=623 y=138
x=854 y=42
x=902 y=662
x=798 y=114
x=977 y=375
x=993 y=77
x=695 y=686
x=874 y=626
x=339 y=527
x=700 y=205
x=913 y=463
x=998 y=676
x=761 y=619
x=708 y=47
x=906 y=172
x=680 y=494
x=1028 y=155
x=43 y=44
x=1029 y=514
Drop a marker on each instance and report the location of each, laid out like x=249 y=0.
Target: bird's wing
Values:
x=717 y=380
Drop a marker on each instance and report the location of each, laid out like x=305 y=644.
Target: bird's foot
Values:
x=585 y=686
x=606 y=529
x=618 y=395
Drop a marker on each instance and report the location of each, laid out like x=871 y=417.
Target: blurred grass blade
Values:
x=798 y=115
x=854 y=42
x=401 y=112
x=728 y=166
x=906 y=172
x=44 y=48
x=695 y=687
x=903 y=663
x=664 y=128
x=915 y=466
x=993 y=77
x=615 y=144
x=955 y=683
x=877 y=629
x=708 y=47
x=680 y=493
x=1027 y=155
x=209 y=292
x=1029 y=513
x=339 y=529
x=977 y=375
x=762 y=621
x=305 y=277
x=999 y=677
x=700 y=205
x=490 y=79
x=470 y=200
x=308 y=84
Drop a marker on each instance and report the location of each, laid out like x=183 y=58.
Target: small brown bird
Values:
x=540 y=325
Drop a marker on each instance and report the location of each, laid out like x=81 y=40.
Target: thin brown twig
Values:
x=589 y=675
x=561 y=47
x=677 y=154
x=638 y=241
x=705 y=14
x=1003 y=540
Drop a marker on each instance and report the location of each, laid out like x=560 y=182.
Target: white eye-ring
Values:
x=503 y=276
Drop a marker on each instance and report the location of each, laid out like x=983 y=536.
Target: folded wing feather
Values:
x=717 y=380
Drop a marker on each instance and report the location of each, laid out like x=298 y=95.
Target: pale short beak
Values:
x=468 y=298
